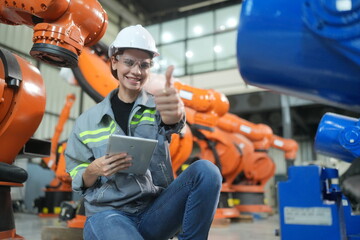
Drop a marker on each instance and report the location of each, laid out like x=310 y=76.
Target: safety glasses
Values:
x=131 y=62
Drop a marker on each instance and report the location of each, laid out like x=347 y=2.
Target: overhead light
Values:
x=222 y=27
x=189 y=54
x=231 y=22
x=199 y=5
x=167 y=37
x=198 y=30
x=217 y=49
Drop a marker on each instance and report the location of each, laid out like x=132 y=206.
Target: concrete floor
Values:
x=31 y=226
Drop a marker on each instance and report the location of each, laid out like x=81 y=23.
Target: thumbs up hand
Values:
x=168 y=101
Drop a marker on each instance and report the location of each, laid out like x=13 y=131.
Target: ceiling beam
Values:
x=199 y=5
x=123 y=12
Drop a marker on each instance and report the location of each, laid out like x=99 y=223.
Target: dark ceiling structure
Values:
x=155 y=11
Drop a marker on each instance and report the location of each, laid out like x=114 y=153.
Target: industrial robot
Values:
x=258 y=167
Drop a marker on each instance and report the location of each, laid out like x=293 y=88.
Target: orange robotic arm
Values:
x=208 y=104
x=203 y=108
x=181 y=147
x=257 y=165
x=259 y=134
x=61 y=27
x=64 y=115
x=203 y=100
x=289 y=146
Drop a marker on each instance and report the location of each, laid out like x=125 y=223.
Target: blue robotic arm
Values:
x=305 y=48
x=310 y=49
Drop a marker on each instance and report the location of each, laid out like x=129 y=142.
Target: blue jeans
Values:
x=186 y=206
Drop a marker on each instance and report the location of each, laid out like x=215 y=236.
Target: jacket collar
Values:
x=144 y=99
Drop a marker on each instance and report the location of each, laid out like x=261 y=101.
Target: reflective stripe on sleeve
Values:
x=76 y=169
x=90 y=134
x=100 y=130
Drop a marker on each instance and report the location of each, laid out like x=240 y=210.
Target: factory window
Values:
x=200 y=55
x=200 y=24
x=171 y=54
x=155 y=32
x=225 y=50
x=199 y=43
x=227 y=18
x=172 y=31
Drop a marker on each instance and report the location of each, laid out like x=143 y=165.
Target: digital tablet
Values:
x=141 y=150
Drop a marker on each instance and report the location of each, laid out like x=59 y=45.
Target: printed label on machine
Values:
x=186 y=94
x=308 y=215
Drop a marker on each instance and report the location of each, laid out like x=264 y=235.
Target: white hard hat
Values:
x=134 y=37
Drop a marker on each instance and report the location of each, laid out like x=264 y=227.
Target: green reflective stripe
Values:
x=99 y=138
x=141 y=117
x=76 y=169
x=107 y=129
x=111 y=129
x=151 y=111
x=150 y=119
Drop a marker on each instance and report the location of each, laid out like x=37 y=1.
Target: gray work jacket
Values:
x=88 y=141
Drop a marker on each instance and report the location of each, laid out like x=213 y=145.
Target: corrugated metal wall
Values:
x=18 y=38
x=56 y=91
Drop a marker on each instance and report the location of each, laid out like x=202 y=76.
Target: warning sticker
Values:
x=308 y=215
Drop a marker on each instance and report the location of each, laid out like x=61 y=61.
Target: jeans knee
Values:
x=209 y=172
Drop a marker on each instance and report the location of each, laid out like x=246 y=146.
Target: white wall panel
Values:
x=18 y=37
x=57 y=89
x=110 y=34
x=112 y=28
x=278 y=158
x=47 y=127
x=88 y=102
x=305 y=152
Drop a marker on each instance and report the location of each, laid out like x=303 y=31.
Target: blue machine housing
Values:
x=305 y=48
x=338 y=136
x=311 y=207
x=309 y=49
